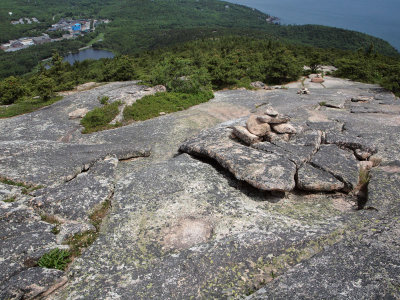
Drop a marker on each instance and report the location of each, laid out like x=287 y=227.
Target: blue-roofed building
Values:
x=76 y=27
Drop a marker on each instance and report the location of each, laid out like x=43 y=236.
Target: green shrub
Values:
x=104 y=100
x=100 y=117
x=45 y=87
x=151 y=106
x=55 y=259
x=11 y=90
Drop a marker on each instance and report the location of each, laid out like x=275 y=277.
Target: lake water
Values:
x=377 y=18
x=89 y=53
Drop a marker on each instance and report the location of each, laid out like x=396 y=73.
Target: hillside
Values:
x=176 y=208
x=138 y=25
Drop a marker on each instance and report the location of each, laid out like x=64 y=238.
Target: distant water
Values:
x=380 y=18
x=89 y=53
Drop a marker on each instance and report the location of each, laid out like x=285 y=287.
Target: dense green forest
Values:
x=139 y=25
x=211 y=63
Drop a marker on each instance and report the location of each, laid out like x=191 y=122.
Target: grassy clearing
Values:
x=98 y=38
x=100 y=117
x=151 y=106
x=25 y=106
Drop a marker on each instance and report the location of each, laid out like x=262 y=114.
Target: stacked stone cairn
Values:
x=270 y=126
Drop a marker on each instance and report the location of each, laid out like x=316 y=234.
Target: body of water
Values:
x=377 y=18
x=89 y=53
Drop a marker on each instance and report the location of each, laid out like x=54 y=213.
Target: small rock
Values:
x=376 y=160
x=162 y=113
x=284 y=128
x=366 y=165
x=271 y=120
x=271 y=112
x=244 y=135
x=159 y=89
x=275 y=137
x=257 y=84
x=78 y=114
x=362 y=155
x=256 y=127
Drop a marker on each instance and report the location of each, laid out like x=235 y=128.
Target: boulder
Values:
x=244 y=135
x=256 y=127
x=312 y=179
x=78 y=113
x=284 y=128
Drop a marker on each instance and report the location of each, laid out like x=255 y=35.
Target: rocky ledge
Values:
x=259 y=194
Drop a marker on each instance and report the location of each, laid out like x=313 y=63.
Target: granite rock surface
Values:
x=195 y=211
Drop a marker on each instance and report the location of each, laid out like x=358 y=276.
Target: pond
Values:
x=88 y=53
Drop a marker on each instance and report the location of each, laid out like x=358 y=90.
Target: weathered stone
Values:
x=244 y=135
x=78 y=113
x=89 y=189
x=265 y=171
x=284 y=128
x=384 y=187
x=256 y=127
x=335 y=103
x=340 y=163
x=31 y=283
x=312 y=179
x=350 y=142
x=273 y=120
x=349 y=269
x=24 y=239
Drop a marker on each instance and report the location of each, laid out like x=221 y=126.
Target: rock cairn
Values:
x=270 y=126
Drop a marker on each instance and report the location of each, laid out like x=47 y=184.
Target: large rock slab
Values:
x=299 y=149
x=365 y=265
x=77 y=198
x=265 y=171
x=140 y=254
x=340 y=163
x=316 y=180
x=48 y=162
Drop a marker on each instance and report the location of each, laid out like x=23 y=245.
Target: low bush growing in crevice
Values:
x=55 y=259
x=151 y=106
x=100 y=117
